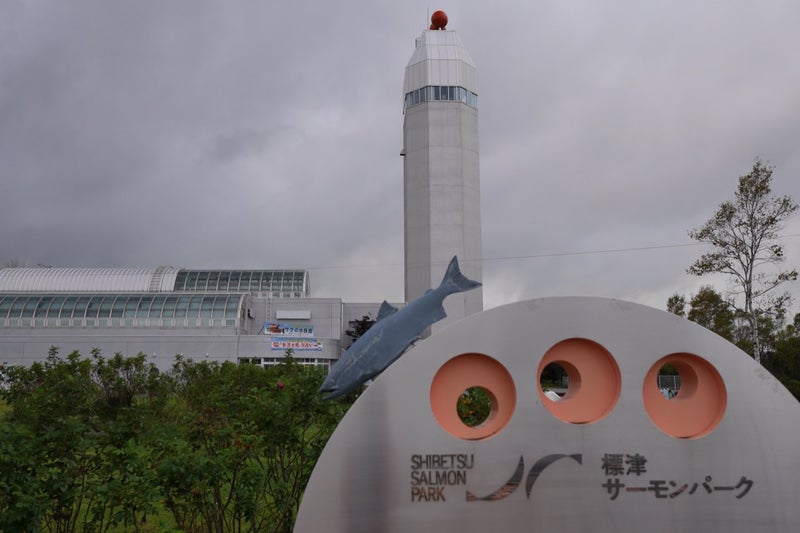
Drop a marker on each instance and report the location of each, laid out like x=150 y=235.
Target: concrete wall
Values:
x=25 y=345
x=160 y=349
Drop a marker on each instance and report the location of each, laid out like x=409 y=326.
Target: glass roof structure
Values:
x=285 y=283
x=274 y=283
x=120 y=310
x=43 y=279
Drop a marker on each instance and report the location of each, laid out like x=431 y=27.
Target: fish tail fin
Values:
x=454 y=281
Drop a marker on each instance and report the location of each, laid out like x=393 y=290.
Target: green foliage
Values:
x=784 y=363
x=110 y=444
x=676 y=304
x=709 y=309
x=73 y=466
x=474 y=406
x=249 y=438
x=718 y=314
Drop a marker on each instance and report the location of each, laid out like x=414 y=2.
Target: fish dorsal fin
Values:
x=386 y=309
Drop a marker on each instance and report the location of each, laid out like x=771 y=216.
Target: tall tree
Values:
x=744 y=234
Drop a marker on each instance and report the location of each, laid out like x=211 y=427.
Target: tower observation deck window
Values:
x=447 y=93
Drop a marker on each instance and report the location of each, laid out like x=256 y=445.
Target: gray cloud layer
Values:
x=267 y=135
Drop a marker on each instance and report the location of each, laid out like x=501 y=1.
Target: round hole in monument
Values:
x=554 y=381
x=487 y=381
x=668 y=381
x=593 y=381
x=475 y=406
x=699 y=404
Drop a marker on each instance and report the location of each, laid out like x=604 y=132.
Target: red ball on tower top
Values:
x=438 y=20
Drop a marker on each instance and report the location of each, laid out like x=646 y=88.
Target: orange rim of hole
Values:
x=697 y=408
x=464 y=372
x=594 y=381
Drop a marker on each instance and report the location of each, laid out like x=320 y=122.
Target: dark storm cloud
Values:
x=267 y=135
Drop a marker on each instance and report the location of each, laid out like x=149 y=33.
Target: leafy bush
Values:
x=106 y=444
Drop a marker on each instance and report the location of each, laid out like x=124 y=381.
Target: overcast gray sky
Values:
x=267 y=135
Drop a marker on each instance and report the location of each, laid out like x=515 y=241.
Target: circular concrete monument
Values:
x=612 y=452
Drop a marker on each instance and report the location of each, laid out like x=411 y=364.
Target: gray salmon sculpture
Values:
x=394 y=331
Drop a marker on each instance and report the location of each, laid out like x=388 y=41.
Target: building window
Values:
x=450 y=93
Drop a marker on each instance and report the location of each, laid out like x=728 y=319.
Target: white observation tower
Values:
x=441 y=177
